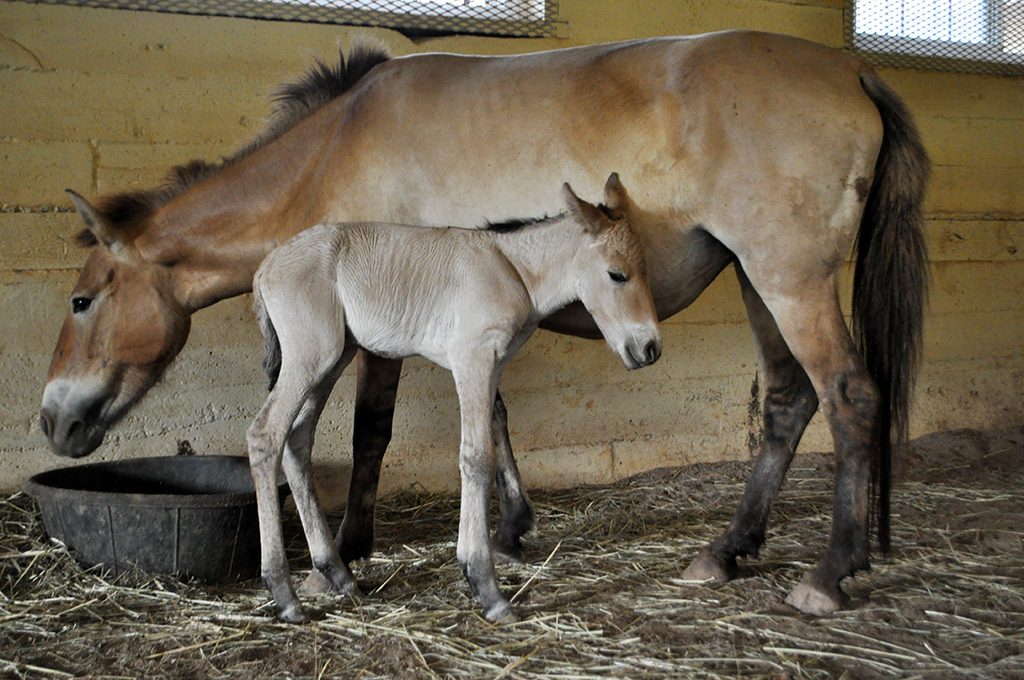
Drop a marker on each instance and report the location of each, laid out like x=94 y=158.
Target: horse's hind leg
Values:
x=330 y=571
x=811 y=322
x=516 y=510
x=789 y=403
x=376 y=392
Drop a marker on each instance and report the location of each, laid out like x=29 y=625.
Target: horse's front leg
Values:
x=517 y=515
x=476 y=382
x=376 y=392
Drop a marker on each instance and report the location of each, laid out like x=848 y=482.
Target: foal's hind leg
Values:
x=789 y=403
x=516 y=509
x=329 y=570
x=266 y=441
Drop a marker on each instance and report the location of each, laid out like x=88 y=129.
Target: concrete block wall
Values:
x=107 y=100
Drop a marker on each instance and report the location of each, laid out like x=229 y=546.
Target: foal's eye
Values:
x=617 y=277
x=80 y=304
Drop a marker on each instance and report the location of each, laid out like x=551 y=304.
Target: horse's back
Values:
x=670 y=115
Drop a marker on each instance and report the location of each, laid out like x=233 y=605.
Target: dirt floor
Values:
x=600 y=595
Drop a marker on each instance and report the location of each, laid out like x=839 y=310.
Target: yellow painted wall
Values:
x=106 y=100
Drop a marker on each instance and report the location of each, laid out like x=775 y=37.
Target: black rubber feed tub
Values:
x=191 y=516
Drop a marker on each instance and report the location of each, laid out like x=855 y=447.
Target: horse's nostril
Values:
x=652 y=352
x=75 y=429
x=46 y=423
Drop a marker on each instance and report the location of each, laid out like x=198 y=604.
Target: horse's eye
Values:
x=617 y=277
x=80 y=304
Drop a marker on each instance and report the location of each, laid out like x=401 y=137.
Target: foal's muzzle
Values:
x=646 y=356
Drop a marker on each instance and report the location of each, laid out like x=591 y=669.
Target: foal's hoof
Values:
x=315 y=584
x=705 y=567
x=501 y=613
x=812 y=599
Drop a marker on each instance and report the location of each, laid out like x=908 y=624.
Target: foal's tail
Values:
x=890 y=283
x=271 y=343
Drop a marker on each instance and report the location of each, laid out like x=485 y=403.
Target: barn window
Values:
x=521 y=18
x=979 y=36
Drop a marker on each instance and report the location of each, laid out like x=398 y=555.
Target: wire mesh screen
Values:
x=521 y=18
x=969 y=36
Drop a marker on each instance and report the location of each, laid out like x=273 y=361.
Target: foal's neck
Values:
x=544 y=256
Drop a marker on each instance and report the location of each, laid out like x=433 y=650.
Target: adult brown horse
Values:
x=768 y=151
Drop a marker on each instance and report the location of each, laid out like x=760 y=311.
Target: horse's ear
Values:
x=95 y=223
x=594 y=221
x=615 y=197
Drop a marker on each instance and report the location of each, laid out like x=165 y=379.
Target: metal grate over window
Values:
x=970 y=36
x=519 y=18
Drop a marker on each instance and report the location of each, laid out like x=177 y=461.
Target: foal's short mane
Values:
x=293 y=102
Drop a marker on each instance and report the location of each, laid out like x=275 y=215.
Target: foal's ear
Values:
x=615 y=197
x=95 y=223
x=594 y=221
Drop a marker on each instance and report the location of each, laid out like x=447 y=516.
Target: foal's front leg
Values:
x=476 y=382
x=376 y=392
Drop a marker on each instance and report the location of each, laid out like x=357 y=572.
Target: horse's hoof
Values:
x=810 y=599
x=705 y=568
x=508 y=551
x=315 y=584
x=292 y=614
x=501 y=613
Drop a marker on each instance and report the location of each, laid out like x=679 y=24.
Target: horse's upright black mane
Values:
x=518 y=224
x=292 y=103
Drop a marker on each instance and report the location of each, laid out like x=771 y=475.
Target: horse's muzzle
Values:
x=70 y=437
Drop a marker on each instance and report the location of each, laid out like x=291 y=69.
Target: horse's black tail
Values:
x=271 y=343
x=890 y=283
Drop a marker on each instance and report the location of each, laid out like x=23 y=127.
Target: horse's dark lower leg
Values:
x=808 y=316
x=789 y=403
x=516 y=511
x=376 y=392
x=851 y=408
x=787 y=410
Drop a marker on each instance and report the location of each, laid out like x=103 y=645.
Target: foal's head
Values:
x=611 y=272
x=123 y=327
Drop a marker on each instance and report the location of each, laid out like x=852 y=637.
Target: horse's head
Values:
x=123 y=328
x=612 y=275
